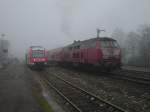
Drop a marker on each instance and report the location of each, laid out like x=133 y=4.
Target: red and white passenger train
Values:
x=101 y=52
x=36 y=57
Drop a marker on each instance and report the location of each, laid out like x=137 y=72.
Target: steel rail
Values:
x=138 y=73
x=124 y=76
x=63 y=96
x=94 y=98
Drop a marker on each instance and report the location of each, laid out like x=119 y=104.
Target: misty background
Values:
x=55 y=23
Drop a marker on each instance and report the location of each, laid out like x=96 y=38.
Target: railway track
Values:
x=79 y=99
x=139 y=77
x=137 y=68
x=136 y=73
x=132 y=75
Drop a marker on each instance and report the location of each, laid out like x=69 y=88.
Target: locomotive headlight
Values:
x=45 y=63
x=32 y=63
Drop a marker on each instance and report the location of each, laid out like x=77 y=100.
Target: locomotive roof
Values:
x=76 y=43
x=105 y=39
x=93 y=39
x=36 y=46
x=101 y=39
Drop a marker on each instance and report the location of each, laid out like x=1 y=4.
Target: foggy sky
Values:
x=55 y=23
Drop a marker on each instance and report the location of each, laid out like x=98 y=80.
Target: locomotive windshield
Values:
x=109 y=44
x=114 y=44
x=38 y=53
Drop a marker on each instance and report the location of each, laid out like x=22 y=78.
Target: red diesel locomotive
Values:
x=36 y=57
x=101 y=52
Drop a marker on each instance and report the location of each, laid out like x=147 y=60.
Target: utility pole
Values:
x=98 y=32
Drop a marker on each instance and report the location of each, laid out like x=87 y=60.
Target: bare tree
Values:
x=144 y=44
x=135 y=45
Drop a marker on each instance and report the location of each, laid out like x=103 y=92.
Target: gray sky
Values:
x=54 y=23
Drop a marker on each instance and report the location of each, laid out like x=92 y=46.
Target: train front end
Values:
x=38 y=57
x=111 y=54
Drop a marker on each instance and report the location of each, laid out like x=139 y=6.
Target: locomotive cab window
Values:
x=38 y=55
x=109 y=44
x=115 y=44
